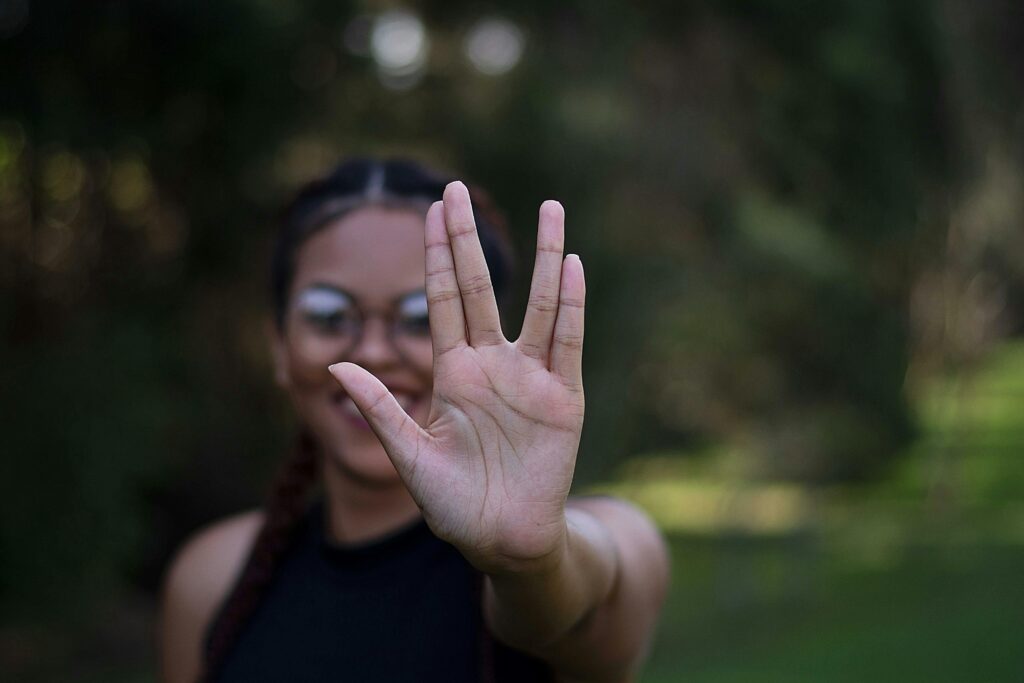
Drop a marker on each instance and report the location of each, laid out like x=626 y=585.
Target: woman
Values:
x=443 y=546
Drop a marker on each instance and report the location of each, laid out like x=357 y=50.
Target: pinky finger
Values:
x=567 y=342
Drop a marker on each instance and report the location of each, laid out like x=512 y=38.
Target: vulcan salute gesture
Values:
x=421 y=529
x=578 y=583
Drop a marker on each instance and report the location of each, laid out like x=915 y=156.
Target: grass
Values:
x=916 y=578
x=778 y=610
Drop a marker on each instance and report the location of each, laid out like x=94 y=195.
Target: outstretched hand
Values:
x=492 y=467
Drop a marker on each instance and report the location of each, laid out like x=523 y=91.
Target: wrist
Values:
x=532 y=607
x=524 y=560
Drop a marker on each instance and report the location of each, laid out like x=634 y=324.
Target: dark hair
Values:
x=391 y=182
x=352 y=184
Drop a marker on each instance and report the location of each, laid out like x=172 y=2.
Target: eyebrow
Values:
x=341 y=290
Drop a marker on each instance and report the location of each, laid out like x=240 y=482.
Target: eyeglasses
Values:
x=334 y=312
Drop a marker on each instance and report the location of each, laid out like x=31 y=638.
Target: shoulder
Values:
x=209 y=561
x=199 y=578
x=642 y=548
x=627 y=522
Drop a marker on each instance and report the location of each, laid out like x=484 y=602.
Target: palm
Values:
x=492 y=467
x=501 y=452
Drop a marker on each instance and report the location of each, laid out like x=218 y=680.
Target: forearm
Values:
x=593 y=618
x=538 y=611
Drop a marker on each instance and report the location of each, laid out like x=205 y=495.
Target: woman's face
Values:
x=366 y=266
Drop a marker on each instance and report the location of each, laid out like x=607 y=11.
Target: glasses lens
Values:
x=412 y=324
x=329 y=311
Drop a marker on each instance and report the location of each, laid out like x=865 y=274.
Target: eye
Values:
x=412 y=315
x=327 y=309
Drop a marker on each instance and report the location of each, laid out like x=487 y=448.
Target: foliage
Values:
x=756 y=190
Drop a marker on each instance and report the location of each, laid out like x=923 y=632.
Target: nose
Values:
x=374 y=349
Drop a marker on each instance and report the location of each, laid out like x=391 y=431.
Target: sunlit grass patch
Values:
x=914 y=577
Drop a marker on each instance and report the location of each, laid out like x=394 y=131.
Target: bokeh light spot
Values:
x=399 y=43
x=130 y=185
x=494 y=46
x=63 y=174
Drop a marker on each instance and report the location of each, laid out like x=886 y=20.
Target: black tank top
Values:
x=405 y=607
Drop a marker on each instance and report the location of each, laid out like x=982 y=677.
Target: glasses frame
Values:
x=363 y=314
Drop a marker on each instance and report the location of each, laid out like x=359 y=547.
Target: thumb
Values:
x=392 y=425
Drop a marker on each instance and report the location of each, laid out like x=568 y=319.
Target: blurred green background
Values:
x=802 y=226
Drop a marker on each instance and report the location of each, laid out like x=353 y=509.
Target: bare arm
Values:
x=591 y=615
x=196 y=584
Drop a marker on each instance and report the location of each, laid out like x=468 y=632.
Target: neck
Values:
x=359 y=511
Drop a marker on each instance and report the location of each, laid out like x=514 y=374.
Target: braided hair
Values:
x=351 y=185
